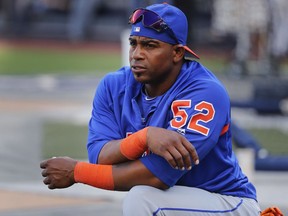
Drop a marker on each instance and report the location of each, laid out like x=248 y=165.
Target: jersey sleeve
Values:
x=103 y=125
x=201 y=115
x=162 y=169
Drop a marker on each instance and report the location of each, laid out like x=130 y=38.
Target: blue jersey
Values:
x=197 y=106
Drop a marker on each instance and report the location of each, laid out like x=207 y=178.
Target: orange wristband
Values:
x=133 y=146
x=95 y=175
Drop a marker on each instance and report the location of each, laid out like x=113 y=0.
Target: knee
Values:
x=139 y=201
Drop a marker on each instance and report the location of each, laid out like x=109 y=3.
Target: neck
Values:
x=160 y=87
x=147 y=97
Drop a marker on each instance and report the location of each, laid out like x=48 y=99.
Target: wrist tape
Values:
x=95 y=175
x=133 y=146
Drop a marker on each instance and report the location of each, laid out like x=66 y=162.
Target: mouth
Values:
x=138 y=69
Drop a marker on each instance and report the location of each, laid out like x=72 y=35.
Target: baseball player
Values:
x=160 y=129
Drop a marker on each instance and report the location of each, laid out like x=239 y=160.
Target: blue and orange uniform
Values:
x=197 y=106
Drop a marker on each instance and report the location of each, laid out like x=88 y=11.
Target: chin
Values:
x=140 y=79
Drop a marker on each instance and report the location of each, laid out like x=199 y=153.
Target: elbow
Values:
x=92 y=155
x=157 y=183
x=163 y=187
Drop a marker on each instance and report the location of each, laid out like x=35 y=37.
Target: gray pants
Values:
x=185 y=201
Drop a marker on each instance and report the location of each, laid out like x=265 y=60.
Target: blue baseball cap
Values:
x=176 y=21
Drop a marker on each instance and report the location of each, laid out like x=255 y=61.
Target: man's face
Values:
x=151 y=60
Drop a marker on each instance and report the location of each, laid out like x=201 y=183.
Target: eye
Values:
x=132 y=43
x=149 y=45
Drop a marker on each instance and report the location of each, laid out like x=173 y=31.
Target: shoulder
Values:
x=118 y=79
x=117 y=85
x=117 y=76
x=197 y=71
x=195 y=76
x=199 y=83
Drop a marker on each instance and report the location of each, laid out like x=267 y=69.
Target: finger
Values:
x=44 y=173
x=43 y=164
x=177 y=158
x=194 y=156
x=170 y=159
x=51 y=186
x=192 y=151
x=46 y=181
x=185 y=157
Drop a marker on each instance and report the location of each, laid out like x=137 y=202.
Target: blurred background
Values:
x=54 y=52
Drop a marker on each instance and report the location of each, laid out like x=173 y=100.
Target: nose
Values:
x=136 y=53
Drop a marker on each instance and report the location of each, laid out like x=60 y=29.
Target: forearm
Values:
x=121 y=177
x=175 y=148
x=111 y=154
x=119 y=151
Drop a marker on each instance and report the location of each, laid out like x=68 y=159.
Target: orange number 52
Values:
x=206 y=113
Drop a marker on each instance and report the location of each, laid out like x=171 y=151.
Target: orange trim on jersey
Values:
x=225 y=129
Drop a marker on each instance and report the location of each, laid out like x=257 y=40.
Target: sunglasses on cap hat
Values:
x=152 y=20
x=149 y=19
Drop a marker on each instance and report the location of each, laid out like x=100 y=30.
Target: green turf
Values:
x=64 y=139
x=36 y=61
x=274 y=140
x=216 y=64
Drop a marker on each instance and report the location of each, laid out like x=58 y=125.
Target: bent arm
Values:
x=175 y=148
x=60 y=172
x=115 y=172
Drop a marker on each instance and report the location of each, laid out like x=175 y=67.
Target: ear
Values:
x=179 y=53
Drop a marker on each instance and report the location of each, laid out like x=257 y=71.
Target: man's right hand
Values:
x=58 y=172
x=172 y=146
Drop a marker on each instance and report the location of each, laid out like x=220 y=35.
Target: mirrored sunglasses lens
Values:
x=136 y=15
x=157 y=26
x=150 y=18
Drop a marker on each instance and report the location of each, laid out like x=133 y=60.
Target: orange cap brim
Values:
x=191 y=52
